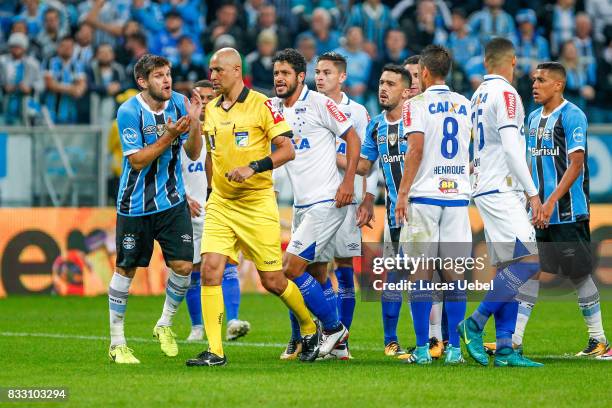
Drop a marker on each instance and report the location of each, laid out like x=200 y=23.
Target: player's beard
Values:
x=157 y=95
x=290 y=91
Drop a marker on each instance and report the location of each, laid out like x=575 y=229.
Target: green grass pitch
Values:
x=52 y=342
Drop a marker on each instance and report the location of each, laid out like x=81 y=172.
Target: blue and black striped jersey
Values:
x=386 y=141
x=551 y=139
x=158 y=186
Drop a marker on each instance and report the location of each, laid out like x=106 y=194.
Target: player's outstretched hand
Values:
x=401 y=208
x=178 y=128
x=344 y=195
x=365 y=211
x=195 y=109
x=240 y=174
x=537 y=218
x=194 y=207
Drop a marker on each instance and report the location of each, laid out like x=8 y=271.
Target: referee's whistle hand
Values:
x=240 y=174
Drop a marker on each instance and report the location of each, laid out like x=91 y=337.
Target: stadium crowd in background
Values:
x=75 y=57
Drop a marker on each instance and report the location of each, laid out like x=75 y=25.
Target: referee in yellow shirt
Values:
x=241 y=212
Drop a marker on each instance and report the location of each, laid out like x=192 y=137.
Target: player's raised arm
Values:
x=193 y=145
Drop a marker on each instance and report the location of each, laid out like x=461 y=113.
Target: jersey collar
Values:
x=438 y=88
x=241 y=98
x=304 y=93
x=557 y=109
x=148 y=108
x=345 y=99
x=491 y=77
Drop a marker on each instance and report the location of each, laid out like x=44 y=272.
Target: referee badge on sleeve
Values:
x=241 y=138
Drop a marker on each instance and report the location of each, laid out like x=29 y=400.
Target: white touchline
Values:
x=241 y=344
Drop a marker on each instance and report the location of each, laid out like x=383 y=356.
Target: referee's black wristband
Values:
x=208 y=192
x=262 y=165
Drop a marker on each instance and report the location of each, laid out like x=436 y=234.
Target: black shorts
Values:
x=566 y=249
x=171 y=228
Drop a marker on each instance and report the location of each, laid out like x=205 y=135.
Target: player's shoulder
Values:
x=420 y=99
x=130 y=107
x=380 y=118
x=571 y=110
x=536 y=113
x=460 y=98
x=256 y=96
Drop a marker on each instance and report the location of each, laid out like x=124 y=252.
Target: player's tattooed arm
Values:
x=411 y=167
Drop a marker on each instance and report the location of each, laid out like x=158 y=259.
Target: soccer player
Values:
x=320 y=194
x=558 y=148
x=197 y=175
x=241 y=213
x=151 y=205
x=330 y=74
x=434 y=193
x=436 y=320
x=383 y=142
x=501 y=179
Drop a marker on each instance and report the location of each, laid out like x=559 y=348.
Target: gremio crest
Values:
x=160 y=129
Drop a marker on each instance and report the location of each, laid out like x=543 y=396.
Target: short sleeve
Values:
x=413 y=117
x=360 y=121
x=369 y=147
x=273 y=122
x=183 y=106
x=508 y=105
x=575 y=126
x=332 y=118
x=129 y=130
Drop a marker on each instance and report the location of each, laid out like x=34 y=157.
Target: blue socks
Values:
x=193 y=299
x=231 y=291
x=295 y=327
x=506 y=284
x=455 y=306
x=420 y=304
x=346 y=295
x=391 y=305
x=505 y=322
x=315 y=300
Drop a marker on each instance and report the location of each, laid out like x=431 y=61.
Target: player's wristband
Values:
x=208 y=193
x=262 y=165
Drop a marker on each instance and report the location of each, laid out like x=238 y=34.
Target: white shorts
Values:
x=505 y=221
x=198 y=228
x=430 y=225
x=314 y=229
x=348 y=237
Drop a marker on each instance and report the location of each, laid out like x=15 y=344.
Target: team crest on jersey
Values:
x=540 y=132
x=448 y=186
x=392 y=137
x=242 y=139
x=276 y=115
x=510 y=100
x=406 y=114
x=300 y=110
x=335 y=112
x=547 y=134
x=160 y=129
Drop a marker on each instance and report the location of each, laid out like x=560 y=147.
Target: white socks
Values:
x=175 y=293
x=117 y=303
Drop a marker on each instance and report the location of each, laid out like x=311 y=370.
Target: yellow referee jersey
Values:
x=240 y=135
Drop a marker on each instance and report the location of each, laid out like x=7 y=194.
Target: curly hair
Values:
x=292 y=57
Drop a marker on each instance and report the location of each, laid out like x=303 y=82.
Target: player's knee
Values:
x=293 y=266
x=273 y=282
x=344 y=262
x=182 y=267
x=212 y=272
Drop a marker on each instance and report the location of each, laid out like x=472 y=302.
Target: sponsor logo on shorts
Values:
x=128 y=242
x=448 y=186
x=186 y=238
x=297 y=244
x=272 y=262
x=353 y=246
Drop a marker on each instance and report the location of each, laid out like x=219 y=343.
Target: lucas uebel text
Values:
x=406 y=285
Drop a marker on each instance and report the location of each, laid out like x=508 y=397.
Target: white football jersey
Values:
x=316 y=121
x=444 y=119
x=194 y=175
x=358 y=115
x=495 y=105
